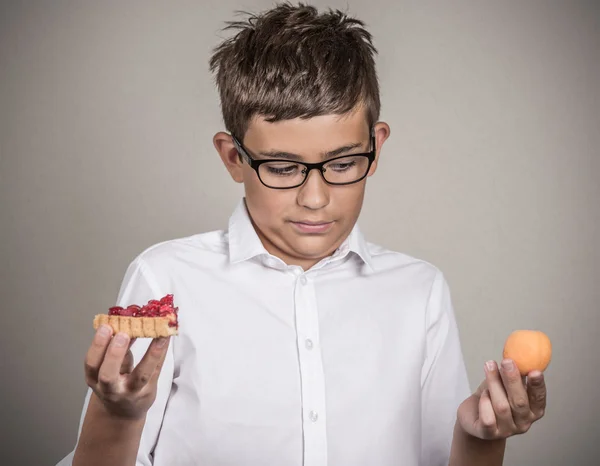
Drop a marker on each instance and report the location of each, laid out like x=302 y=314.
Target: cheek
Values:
x=267 y=206
x=350 y=199
x=258 y=196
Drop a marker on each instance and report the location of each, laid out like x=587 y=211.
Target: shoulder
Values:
x=422 y=278
x=389 y=262
x=198 y=249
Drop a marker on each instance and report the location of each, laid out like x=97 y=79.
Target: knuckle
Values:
x=113 y=398
x=144 y=378
x=520 y=403
x=522 y=428
x=487 y=423
x=503 y=409
x=105 y=379
x=540 y=398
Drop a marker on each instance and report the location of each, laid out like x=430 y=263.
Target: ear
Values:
x=382 y=132
x=229 y=155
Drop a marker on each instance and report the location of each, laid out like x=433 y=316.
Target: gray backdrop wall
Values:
x=107 y=111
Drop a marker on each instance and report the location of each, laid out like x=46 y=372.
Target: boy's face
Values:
x=305 y=224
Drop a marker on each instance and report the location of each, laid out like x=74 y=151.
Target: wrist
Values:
x=107 y=439
x=470 y=450
x=466 y=436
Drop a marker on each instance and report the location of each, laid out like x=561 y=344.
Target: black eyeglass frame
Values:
x=255 y=164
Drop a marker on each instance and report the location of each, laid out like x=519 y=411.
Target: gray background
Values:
x=107 y=111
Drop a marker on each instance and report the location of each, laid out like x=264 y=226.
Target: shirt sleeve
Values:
x=444 y=382
x=138 y=287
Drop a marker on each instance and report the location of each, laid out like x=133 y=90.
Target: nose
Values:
x=314 y=193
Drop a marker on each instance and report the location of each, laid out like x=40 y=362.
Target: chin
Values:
x=314 y=252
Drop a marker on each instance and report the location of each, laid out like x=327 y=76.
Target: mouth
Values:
x=306 y=226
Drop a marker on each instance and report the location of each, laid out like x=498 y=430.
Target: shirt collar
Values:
x=358 y=245
x=244 y=243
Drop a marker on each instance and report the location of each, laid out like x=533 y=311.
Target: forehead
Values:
x=310 y=135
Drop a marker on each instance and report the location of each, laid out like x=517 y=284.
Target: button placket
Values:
x=311 y=373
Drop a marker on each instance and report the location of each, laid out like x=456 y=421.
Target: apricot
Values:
x=529 y=349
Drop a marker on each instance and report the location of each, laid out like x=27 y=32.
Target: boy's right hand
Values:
x=124 y=391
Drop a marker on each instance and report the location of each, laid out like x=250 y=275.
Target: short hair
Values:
x=293 y=62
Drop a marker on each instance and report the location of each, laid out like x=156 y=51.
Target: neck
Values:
x=290 y=258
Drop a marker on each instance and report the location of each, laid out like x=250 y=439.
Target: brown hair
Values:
x=294 y=62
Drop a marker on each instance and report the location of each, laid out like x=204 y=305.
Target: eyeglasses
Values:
x=286 y=174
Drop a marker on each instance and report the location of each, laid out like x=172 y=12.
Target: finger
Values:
x=108 y=376
x=151 y=361
x=498 y=397
x=517 y=394
x=127 y=365
x=158 y=368
x=487 y=417
x=95 y=354
x=537 y=393
x=468 y=415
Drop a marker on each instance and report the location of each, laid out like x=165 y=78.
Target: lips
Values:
x=309 y=222
x=310 y=226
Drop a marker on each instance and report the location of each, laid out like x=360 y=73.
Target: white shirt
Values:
x=355 y=362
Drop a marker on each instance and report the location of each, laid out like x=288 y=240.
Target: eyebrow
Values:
x=275 y=154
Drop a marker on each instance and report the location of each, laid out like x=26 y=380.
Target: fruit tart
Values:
x=157 y=318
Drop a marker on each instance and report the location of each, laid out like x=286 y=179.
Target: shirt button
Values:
x=303 y=280
x=314 y=416
x=309 y=344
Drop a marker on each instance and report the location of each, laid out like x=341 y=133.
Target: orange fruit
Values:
x=529 y=349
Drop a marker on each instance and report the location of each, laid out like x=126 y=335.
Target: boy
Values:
x=300 y=343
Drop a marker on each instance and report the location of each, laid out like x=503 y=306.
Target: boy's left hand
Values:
x=503 y=405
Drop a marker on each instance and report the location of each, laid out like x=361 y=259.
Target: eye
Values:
x=281 y=168
x=342 y=165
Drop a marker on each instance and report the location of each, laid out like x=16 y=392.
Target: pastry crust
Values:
x=137 y=327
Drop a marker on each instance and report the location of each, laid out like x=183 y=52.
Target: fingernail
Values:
x=120 y=339
x=104 y=331
x=490 y=366
x=161 y=342
x=535 y=377
x=508 y=365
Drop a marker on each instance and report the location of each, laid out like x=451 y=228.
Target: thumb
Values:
x=481 y=388
x=468 y=412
